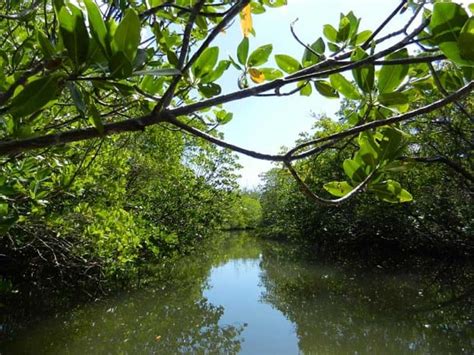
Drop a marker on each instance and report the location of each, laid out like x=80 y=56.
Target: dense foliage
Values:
x=436 y=167
x=79 y=199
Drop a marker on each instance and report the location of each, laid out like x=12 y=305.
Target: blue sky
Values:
x=266 y=124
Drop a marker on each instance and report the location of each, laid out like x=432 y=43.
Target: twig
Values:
x=305 y=188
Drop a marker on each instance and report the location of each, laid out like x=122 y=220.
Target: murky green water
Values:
x=251 y=297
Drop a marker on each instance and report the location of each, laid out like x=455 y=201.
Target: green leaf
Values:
x=260 y=55
x=391 y=76
x=344 y=29
x=74 y=33
x=243 y=51
x=333 y=47
x=393 y=99
x=271 y=74
x=325 y=89
x=275 y=3
x=338 y=188
x=391 y=191
x=3 y=209
x=95 y=119
x=223 y=117
x=77 y=97
x=287 y=64
x=310 y=58
x=234 y=64
x=35 y=96
x=97 y=25
x=446 y=22
x=46 y=46
x=466 y=40
x=330 y=32
x=256 y=9
x=120 y=66
x=362 y=37
x=209 y=90
x=127 y=35
x=341 y=84
x=364 y=75
x=354 y=170
x=354 y=26
x=391 y=143
x=217 y=72
x=306 y=89
x=172 y=58
x=206 y=62
x=453 y=52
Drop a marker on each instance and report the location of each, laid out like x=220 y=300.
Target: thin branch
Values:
x=306 y=189
x=308 y=48
x=465 y=90
x=443 y=160
x=314 y=71
x=20 y=81
x=23 y=14
x=414 y=60
x=185 y=47
x=196 y=132
x=170 y=4
x=445 y=93
x=390 y=17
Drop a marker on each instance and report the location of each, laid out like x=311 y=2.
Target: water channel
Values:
x=243 y=295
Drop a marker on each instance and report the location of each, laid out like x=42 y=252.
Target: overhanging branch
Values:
x=139 y=124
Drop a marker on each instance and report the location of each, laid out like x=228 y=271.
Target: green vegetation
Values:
x=434 y=165
x=111 y=155
x=245 y=211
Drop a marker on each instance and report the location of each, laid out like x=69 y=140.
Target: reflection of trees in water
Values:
x=169 y=316
x=149 y=323
x=427 y=309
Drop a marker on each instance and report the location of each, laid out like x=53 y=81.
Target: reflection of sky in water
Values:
x=237 y=287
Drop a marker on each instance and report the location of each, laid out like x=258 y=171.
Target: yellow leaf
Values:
x=256 y=75
x=246 y=21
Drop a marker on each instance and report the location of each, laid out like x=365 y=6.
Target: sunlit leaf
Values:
x=97 y=25
x=345 y=87
x=260 y=55
x=338 y=188
x=206 y=62
x=127 y=35
x=363 y=75
x=391 y=76
x=325 y=89
x=243 y=51
x=35 y=96
x=74 y=33
x=246 y=20
x=287 y=63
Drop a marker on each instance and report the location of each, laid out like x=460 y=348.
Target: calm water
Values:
x=240 y=295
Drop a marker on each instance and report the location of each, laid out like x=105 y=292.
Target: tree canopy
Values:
x=73 y=71
x=78 y=77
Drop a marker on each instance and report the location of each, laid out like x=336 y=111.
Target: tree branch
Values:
x=465 y=90
x=306 y=190
x=443 y=160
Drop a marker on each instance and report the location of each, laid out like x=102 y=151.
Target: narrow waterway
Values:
x=242 y=295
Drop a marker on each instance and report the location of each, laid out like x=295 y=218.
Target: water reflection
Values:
x=238 y=294
x=169 y=316
x=423 y=309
